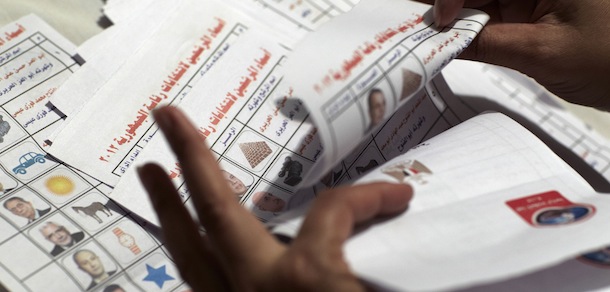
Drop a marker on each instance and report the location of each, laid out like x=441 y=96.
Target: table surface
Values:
x=79 y=20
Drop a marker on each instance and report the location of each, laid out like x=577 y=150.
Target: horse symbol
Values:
x=92 y=209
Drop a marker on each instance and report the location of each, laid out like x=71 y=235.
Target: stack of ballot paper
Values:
x=295 y=97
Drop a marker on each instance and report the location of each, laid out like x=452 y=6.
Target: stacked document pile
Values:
x=294 y=97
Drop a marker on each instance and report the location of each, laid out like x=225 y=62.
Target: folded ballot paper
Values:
x=491 y=201
x=293 y=97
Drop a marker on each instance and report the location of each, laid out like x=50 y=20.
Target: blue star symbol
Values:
x=158 y=275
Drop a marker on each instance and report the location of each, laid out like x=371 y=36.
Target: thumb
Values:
x=525 y=47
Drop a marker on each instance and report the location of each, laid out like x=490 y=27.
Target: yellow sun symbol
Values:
x=60 y=185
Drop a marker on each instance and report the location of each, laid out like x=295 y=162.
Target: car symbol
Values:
x=27 y=160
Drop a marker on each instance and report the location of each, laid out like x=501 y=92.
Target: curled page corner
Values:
x=374 y=59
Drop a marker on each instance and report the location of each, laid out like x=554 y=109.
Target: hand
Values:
x=563 y=44
x=238 y=253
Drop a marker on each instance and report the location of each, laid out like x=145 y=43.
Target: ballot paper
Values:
x=51 y=212
x=294 y=18
x=256 y=135
x=100 y=65
x=487 y=228
x=491 y=202
x=523 y=95
x=369 y=100
x=268 y=144
x=122 y=10
x=394 y=59
x=171 y=63
x=291 y=141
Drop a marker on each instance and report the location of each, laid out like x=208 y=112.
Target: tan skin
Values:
x=562 y=44
x=238 y=253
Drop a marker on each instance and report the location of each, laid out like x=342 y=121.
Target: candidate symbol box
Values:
x=550 y=209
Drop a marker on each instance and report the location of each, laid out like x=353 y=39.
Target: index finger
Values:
x=445 y=11
x=232 y=229
x=196 y=262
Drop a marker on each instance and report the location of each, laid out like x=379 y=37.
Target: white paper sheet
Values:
x=105 y=55
x=49 y=211
x=398 y=43
x=521 y=94
x=434 y=115
x=161 y=72
x=480 y=188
